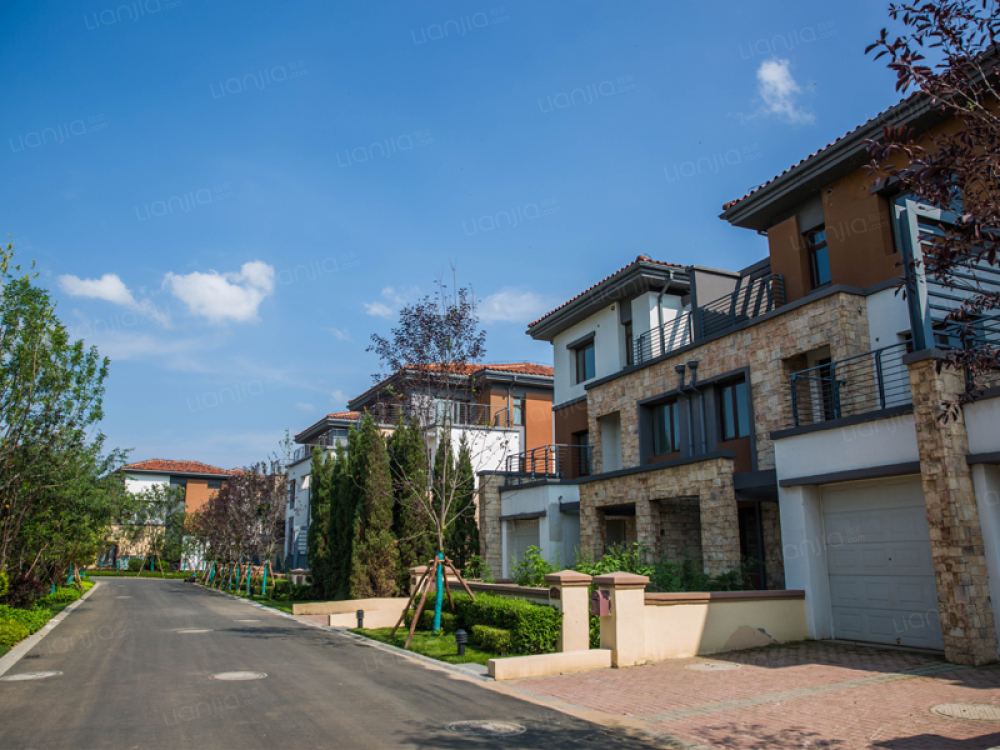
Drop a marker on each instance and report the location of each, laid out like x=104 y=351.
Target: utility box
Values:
x=600 y=603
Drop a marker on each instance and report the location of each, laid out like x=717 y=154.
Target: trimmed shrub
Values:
x=11 y=631
x=497 y=640
x=135 y=564
x=534 y=628
x=61 y=595
x=25 y=591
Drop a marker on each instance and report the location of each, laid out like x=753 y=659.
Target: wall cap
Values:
x=568 y=578
x=703 y=597
x=621 y=580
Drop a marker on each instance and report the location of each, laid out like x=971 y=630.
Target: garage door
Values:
x=878 y=552
x=524 y=534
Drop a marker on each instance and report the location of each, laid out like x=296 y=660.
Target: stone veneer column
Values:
x=624 y=630
x=570 y=592
x=490 y=532
x=720 y=526
x=956 y=535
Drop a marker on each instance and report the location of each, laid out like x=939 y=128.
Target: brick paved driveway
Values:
x=809 y=695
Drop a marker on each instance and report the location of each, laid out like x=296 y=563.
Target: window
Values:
x=517 y=407
x=215 y=484
x=584 y=362
x=819 y=258
x=666 y=438
x=291 y=494
x=734 y=410
x=629 y=345
x=582 y=460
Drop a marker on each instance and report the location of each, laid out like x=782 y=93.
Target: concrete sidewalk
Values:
x=810 y=695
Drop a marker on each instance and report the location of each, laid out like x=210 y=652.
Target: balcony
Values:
x=547 y=462
x=455 y=414
x=715 y=318
x=849 y=387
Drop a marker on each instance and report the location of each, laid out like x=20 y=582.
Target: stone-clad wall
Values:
x=710 y=481
x=839 y=321
x=490 y=531
x=956 y=536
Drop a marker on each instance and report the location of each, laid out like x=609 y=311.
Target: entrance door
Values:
x=878 y=552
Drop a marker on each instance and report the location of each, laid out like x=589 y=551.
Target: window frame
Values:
x=582 y=350
x=813 y=249
x=728 y=398
x=672 y=409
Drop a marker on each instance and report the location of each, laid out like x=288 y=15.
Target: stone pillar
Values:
x=415 y=575
x=647 y=524
x=490 y=533
x=960 y=565
x=569 y=591
x=720 y=527
x=624 y=630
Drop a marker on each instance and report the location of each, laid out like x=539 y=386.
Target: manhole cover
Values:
x=968 y=711
x=248 y=621
x=29 y=676
x=486 y=728
x=123 y=597
x=192 y=630
x=712 y=666
x=238 y=676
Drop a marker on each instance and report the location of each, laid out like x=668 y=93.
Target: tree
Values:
x=429 y=358
x=413 y=530
x=50 y=396
x=373 y=570
x=321 y=480
x=155 y=527
x=343 y=510
x=463 y=539
x=956 y=170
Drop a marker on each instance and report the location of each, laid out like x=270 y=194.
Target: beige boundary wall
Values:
x=350 y=606
x=542 y=665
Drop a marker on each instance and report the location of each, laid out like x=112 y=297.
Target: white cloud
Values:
x=340 y=335
x=512 y=305
x=779 y=91
x=112 y=289
x=305 y=407
x=339 y=397
x=224 y=296
x=393 y=299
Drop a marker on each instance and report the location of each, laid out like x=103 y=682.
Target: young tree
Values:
x=343 y=512
x=373 y=572
x=321 y=480
x=413 y=530
x=429 y=357
x=957 y=169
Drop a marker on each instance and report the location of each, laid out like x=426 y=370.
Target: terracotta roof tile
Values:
x=639 y=258
x=168 y=466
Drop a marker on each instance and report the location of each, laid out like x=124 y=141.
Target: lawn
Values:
x=440 y=647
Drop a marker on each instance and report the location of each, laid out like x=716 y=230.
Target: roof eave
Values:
x=633 y=280
x=758 y=210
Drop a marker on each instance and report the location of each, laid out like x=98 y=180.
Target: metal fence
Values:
x=856 y=385
x=548 y=462
x=755 y=299
x=671 y=335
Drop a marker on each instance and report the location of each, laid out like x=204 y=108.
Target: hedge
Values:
x=144 y=574
x=61 y=595
x=495 y=640
x=17 y=624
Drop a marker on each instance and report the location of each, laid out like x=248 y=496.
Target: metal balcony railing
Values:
x=671 y=335
x=856 y=385
x=455 y=413
x=755 y=299
x=548 y=462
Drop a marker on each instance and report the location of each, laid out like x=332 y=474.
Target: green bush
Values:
x=497 y=640
x=135 y=564
x=61 y=595
x=595 y=631
x=534 y=628
x=532 y=568
x=12 y=631
x=4 y=583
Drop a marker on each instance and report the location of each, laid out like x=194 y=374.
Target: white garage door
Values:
x=878 y=552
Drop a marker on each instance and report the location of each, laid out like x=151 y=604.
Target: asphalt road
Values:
x=132 y=679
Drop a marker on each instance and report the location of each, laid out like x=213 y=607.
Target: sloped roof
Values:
x=351 y=415
x=639 y=259
x=170 y=466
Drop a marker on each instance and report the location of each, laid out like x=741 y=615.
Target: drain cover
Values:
x=712 y=666
x=486 y=728
x=123 y=597
x=194 y=631
x=969 y=711
x=238 y=676
x=248 y=621
x=29 y=676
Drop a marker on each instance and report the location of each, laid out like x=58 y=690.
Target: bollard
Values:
x=461 y=637
x=361 y=619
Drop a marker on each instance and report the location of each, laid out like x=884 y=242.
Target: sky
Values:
x=229 y=198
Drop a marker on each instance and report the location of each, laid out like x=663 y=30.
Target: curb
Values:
x=14 y=655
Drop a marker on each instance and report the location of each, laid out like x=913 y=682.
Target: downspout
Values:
x=659 y=320
x=693 y=367
x=679 y=369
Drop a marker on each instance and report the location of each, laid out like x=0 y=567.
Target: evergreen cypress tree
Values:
x=320 y=496
x=374 y=556
x=414 y=531
x=342 y=512
x=463 y=535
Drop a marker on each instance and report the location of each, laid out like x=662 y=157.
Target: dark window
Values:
x=215 y=484
x=734 y=410
x=585 y=362
x=629 y=345
x=819 y=258
x=666 y=438
x=582 y=460
x=291 y=493
x=178 y=482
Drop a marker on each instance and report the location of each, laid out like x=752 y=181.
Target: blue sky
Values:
x=229 y=198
